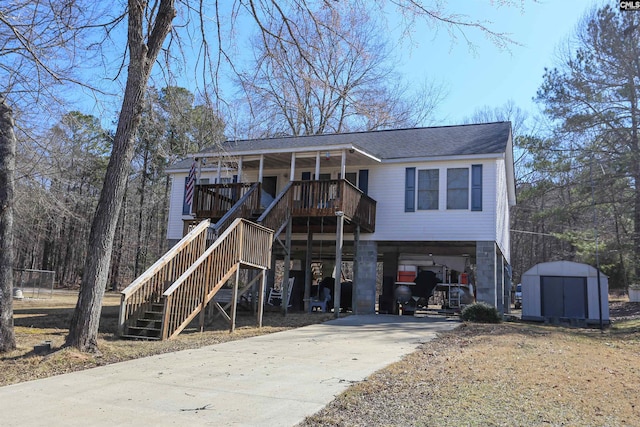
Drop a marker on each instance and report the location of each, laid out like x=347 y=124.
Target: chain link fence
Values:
x=29 y=283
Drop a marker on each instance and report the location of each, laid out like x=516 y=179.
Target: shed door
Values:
x=564 y=296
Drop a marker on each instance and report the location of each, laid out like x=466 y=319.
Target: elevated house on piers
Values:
x=411 y=199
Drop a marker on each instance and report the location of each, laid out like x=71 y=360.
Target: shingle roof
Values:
x=486 y=138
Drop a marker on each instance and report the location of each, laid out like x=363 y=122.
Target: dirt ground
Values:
x=509 y=374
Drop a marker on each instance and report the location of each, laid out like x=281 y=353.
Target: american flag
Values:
x=191 y=184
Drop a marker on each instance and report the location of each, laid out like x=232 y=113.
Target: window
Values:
x=410 y=190
x=476 y=187
x=458 y=188
x=428 y=184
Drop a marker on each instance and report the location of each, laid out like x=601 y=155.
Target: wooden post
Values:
x=240 y=169
x=307 y=269
x=339 y=242
x=317 y=177
x=287 y=267
x=263 y=286
x=164 y=333
x=123 y=308
x=234 y=301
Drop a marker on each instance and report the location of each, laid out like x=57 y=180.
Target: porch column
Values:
x=219 y=170
x=261 y=168
x=486 y=283
x=317 y=166
x=338 y=279
x=387 y=303
x=364 y=277
x=240 y=169
x=343 y=165
x=308 y=274
x=286 y=290
x=293 y=167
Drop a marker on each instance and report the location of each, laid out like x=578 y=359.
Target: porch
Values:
x=312 y=206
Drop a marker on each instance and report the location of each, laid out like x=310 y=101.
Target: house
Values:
x=431 y=199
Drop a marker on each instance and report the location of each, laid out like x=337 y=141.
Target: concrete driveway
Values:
x=270 y=380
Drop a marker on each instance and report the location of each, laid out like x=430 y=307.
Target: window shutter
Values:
x=363 y=180
x=476 y=187
x=410 y=190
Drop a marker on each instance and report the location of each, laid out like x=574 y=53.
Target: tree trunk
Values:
x=117 y=261
x=83 y=331
x=7 y=172
x=140 y=249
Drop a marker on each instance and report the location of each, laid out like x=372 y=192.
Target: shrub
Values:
x=480 y=312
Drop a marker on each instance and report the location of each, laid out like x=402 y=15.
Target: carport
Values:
x=564 y=291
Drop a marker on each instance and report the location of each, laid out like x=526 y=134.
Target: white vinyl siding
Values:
x=501 y=203
x=387 y=187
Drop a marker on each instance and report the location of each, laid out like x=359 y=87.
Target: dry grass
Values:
x=511 y=374
x=477 y=375
x=40 y=320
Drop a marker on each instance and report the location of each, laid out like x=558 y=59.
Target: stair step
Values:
x=143 y=332
x=157 y=323
x=139 y=337
x=153 y=315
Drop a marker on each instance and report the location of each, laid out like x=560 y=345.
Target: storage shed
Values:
x=564 y=291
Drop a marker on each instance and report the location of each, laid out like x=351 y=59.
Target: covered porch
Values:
x=311 y=195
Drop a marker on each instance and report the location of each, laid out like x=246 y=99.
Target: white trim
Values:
x=293 y=167
x=444 y=158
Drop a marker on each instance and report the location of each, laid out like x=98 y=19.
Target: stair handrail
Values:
x=243 y=242
x=278 y=220
x=149 y=286
x=237 y=210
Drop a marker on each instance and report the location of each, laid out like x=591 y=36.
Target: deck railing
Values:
x=359 y=207
x=325 y=198
x=243 y=242
x=246 y=207
x=214 y=200
x=278 y=212
x=147 y=289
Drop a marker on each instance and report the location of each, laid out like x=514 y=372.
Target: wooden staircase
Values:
x=172 y=292
x=149 y=325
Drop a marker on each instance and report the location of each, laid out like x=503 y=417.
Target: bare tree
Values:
x=148 y=28
x=37 y=41
x=338 y=78
x=7 y=168
x=148 y=25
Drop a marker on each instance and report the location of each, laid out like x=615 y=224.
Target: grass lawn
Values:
x=47 y=319
x=508 y=374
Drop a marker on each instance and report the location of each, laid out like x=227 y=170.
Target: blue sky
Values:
x=490 y=76
x=487 y=77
